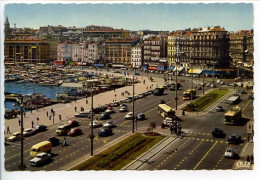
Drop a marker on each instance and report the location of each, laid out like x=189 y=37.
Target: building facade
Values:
x=64 y=51
x=136 y=56
x=106 y=33
x=210 y=47
x=26 y=51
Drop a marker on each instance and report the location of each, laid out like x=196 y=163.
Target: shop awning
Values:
x=152 y=68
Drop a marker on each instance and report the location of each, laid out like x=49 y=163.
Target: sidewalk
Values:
x=67 y=110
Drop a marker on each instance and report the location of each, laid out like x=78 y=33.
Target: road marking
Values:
x=244 y=109
x=205 y=155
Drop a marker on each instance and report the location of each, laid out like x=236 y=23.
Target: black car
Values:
x=104 y=116
x=218 y=133
x=140 y=116
x=40 y=128
x=162 y=102
x=234 y=139
x=54 y=141
x=106 y=131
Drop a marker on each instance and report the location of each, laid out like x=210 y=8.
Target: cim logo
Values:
x=243 y=164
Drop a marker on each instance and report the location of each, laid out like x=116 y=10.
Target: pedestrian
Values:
x=248 y=158
x=31 y=111
x=50 y=117
x=252 y=159
x=60 y=117
x=86 y=101
x=51 y=110
x=171 y=129
x=32 y=124
x=47 y=113
x=248 y=138
x=64 y=143
x=75 y=108
x=24 y=114
x=8 y=130
x=19 y=122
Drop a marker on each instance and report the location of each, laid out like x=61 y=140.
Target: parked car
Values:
x=140 y=116
x=40 y=159
x=222 y=83
x=109 y=124
x=218 y=133
x=140 y=96
x=123 y=109
x=28 y=132
x=104 y=116
x=110 y=111
x=213 y=85
x=75 y=132
x=129 y=116
x=219 y=109
x=162 y=102
x=96 y=124
x=40 y=128
x=83 y=114
x=14 y=137
x=54 y=141
x=234 y=139
x=73 y=123
x=105 y=132
x=208 y=85
x=243 y=91
x=230 y=153
x=122 y=105
x=199 y=88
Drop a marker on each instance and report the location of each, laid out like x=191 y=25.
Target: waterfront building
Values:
x=210 y=47
x=154 y=49
x=64 y=51
x=137 y=56
x=118 y=51
x=77 y=52
x=92 y=49
x=26 y=51
x=242 y=48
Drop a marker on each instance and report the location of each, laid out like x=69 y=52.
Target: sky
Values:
x=167 y=17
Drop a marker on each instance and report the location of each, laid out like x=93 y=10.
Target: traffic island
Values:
x=205 y=101
x=120 y=154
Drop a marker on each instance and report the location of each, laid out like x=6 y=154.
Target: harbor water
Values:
x=30 y=88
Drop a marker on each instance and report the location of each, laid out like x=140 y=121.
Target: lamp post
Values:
x=133 y=121
x=213 y=74
x=92 y=133
x=21 y=166
x=203 y=85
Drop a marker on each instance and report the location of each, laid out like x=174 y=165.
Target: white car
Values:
x=129 y=115
x=110 y=111
x=96 y=124
x=109 y=124
x=123 y=109
x=14 y=137
x=40 y=159
x=230 y=153
x=222 y=83
x=28 y=132
x=213 y=85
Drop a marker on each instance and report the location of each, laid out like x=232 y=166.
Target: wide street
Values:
x=196 y=150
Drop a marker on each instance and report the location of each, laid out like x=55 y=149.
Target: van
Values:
x=44 y=146
x=63 y=130
x=83 y=114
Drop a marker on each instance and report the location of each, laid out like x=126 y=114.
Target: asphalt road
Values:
x=80 y=146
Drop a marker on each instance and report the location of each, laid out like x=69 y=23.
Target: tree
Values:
x=152 y=126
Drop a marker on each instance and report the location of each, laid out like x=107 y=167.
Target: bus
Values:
x=233 y=116
x=165 y=111
x=189 y=94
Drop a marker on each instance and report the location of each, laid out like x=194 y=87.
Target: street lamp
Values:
x=133 y=98
x=92 y=133
x=21 y=166
x=203 y=85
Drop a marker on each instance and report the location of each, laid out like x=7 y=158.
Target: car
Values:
x=218 y=133
x=243 y=91
x=218 y=81
x=28 y=132
x=222 y=83
x=172 y=88
x=40 y=159
x=110 y=111
x=208 y=85
x=219 y=109
x=83 y=114
x=162 y=102
x=122 y=105
x=137 y=74
x=109 y=124
x=202 y=84
x=213 y=85
x=40 y=128
x=75 y=132
x=236 y=94
x=140 y=116
x=114 y=104
x=140 y=96
x=54 y=141
x=73 y=123
x=234 y=139
x=230 y=153
x=14 y=137
x=123 y=109
x=104 y=116
x=129 y=116
x=117 y=72
x=199 y=88
x=105 y=131
x=96 y=124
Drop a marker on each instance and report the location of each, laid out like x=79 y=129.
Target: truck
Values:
x=233 y=116
x=189 y=93
x=233 y=99
x=159 y=91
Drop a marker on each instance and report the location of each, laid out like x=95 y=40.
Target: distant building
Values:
x=78 y=52
x=136 y=56
x=26 y=51
x=46 y=31
x=106 y=33
x=64 y=51
x=210 y=47
x=242 y=48
x=7 y=29
x=92 y=49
